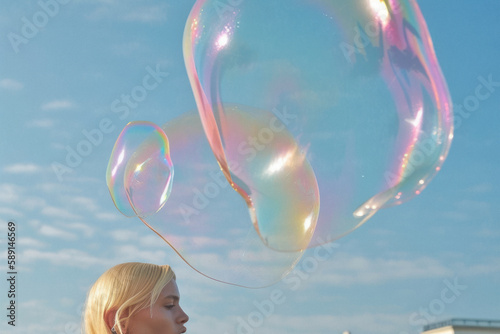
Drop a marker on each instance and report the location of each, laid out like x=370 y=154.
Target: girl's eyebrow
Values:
x=174 y=297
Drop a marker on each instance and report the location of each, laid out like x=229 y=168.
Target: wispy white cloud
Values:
x=108 y=216
x=467 y=209
x=347 y=269
x=10 y=213
x=30 y=242
x=146 y=14
x=488 y=233
x=22 y=168
x=133 y=253
x=485 y=268
x=55 y=212
x=10 y=193
x=33 y=202
x=85 y=203
x=64 y=257
x=40 y=123
x=58 y=105
x=54 y=232
x=67 y=302
x=193 y=242
x=152 y=240
x=87 y=230
x=123 y=235
x=35 y=223
x=455 y=215
x=129 y=11
x=481 y=188
x=473 y=205
x=45 y=317
x=10 y=84
x=53 y=187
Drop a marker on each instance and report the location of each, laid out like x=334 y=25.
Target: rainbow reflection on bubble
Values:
x=357 y=84
x=140 y=171
x=279 y=185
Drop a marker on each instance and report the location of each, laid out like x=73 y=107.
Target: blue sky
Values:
x=433 y=258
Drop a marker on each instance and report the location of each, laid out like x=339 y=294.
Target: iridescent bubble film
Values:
x=356 y=84
x=140 y=171
x=212 y=227
x=272 y=174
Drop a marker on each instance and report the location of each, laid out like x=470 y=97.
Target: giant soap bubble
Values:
x=357 y=85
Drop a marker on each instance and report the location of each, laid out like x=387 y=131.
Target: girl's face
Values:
x=167 y=315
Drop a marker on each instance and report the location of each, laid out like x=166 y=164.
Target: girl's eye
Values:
x=169 y=306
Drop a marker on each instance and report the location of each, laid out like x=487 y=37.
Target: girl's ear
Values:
x=109 y=318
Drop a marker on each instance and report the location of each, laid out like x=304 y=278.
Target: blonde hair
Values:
x=125 y=289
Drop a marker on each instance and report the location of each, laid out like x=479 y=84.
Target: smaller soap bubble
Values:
x=140 y=171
